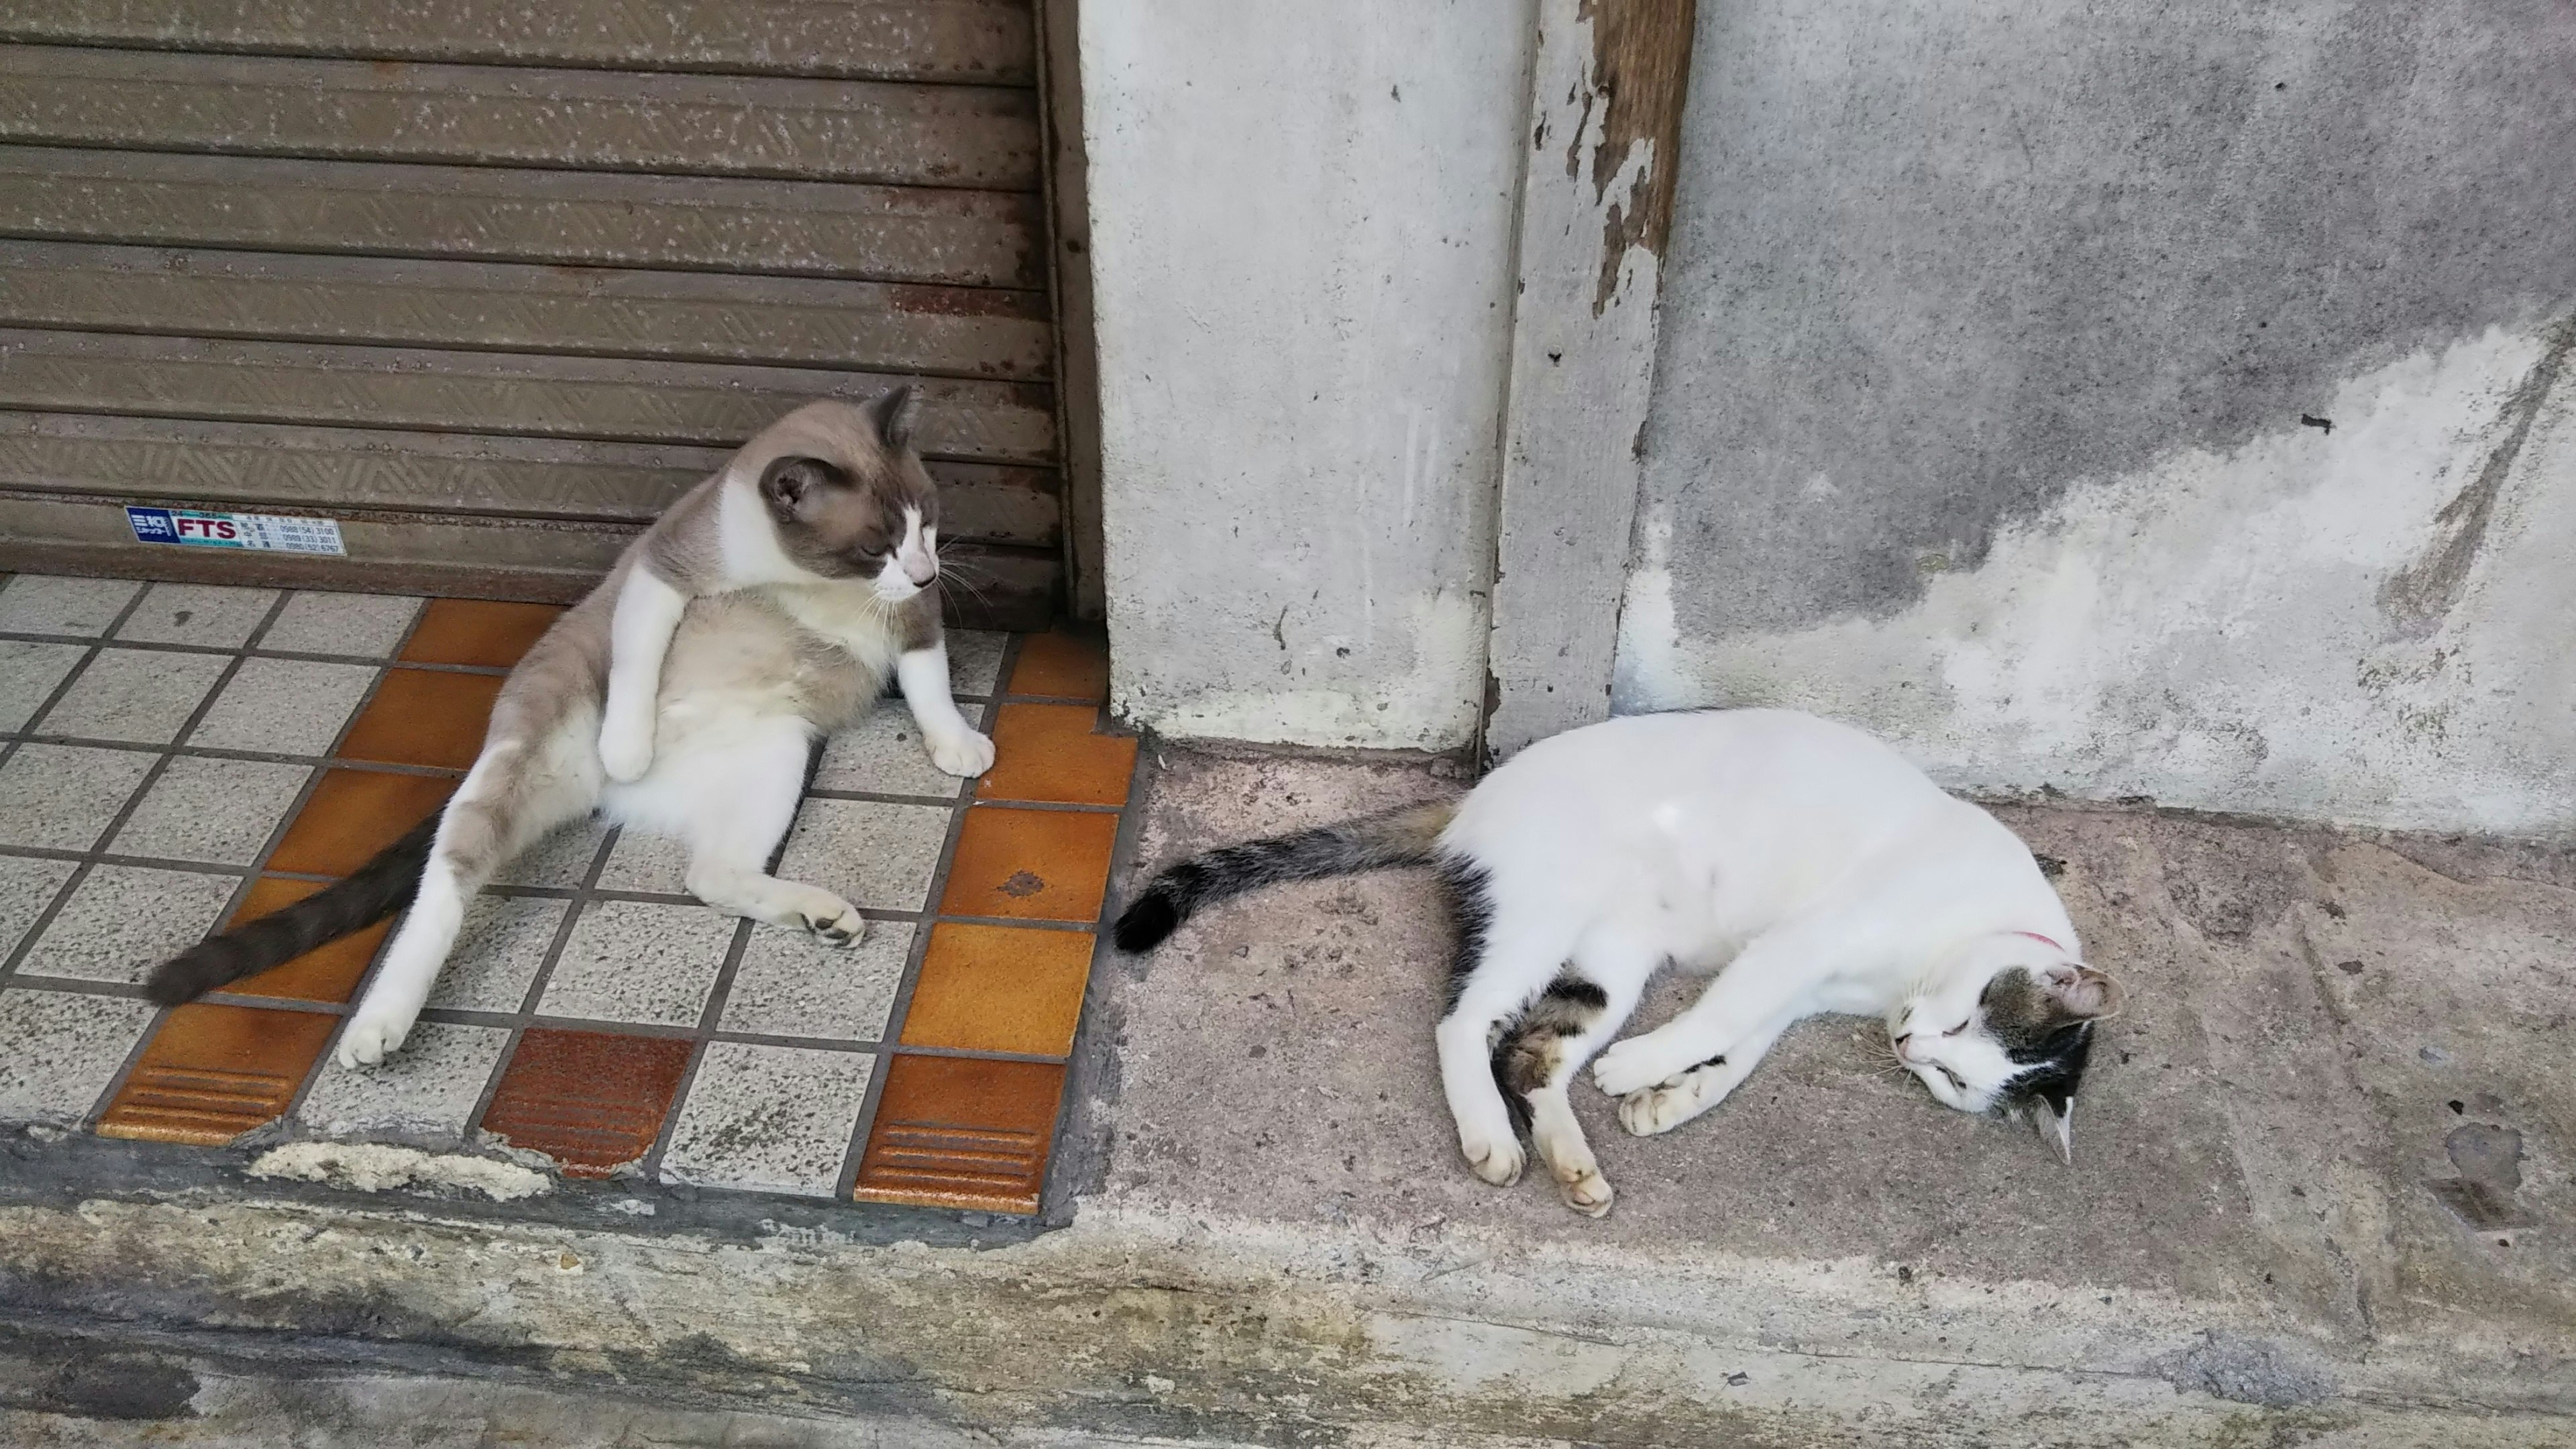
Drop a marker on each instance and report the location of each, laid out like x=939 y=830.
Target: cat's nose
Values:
x=921 y=570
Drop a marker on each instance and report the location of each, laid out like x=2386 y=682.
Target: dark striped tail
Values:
x=379 y=888
x=1409 y=836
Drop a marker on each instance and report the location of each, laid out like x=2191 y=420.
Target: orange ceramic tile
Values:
x=1030 y=865
x=999 y=989
x=353 y=814
x=1059 y=665
x=959 y=1132
x=1050 y=753
x=477 y=631
x=214 y=1072
x=327 y=973
x=424 y=717
x=592 y=1100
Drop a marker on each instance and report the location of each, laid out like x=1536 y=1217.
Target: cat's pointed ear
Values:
x=2055 y=1119
x=894 y=414
x=788 y=485
x=2082 y=992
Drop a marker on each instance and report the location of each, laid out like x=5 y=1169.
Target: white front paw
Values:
x=966 y=755
x=372 y=1036
x=1638 y=1062
x=626 y=750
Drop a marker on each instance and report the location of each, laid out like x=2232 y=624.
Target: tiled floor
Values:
x=172 y=757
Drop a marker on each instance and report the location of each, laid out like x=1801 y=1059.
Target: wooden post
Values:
x=1077 y=377
x=1596 y=207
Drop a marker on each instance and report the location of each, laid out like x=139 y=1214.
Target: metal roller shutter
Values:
x=491 y=282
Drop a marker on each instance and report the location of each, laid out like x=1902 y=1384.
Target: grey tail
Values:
x=1409 y=836
x=379 y=888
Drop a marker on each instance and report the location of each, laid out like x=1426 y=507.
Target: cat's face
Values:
x=2014 y=1036
x=871 y=513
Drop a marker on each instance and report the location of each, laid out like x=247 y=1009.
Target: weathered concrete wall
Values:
x=1301 y=233
x=1990 y=332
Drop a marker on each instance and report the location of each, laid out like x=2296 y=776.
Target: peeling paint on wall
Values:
x=2216 y=630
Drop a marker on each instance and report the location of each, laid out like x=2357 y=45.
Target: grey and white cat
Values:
x=750 y=678
x=1806 y=863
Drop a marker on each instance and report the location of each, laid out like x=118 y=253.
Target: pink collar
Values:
x=2045 y=941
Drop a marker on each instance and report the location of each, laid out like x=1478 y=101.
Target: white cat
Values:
x=1821 y=871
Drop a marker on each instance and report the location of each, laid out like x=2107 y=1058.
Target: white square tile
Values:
x=283 y=707
x=122 y=921
x=38 y=604
x=28 y=673
x=218 y=618
x=768 y=1119
x=136 y=696
x=423 y=1093
x=975 y=661
x=561 y=860
x=58 y=1052
x=651 y=863
x=365 y=626
x=63 y=796
x=873 y=854
x=638 y=962
x=218 y=811
x=27 y=886
x=790 y=984
x=498 y=953
x=882 y=754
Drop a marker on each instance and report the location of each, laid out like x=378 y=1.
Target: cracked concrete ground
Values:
x=2322 y=1195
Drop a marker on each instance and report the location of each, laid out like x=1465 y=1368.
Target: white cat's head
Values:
x=2006 y=1023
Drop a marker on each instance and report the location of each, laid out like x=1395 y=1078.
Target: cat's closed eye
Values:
x=1962 y=1026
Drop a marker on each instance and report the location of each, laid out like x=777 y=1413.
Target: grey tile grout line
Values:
x=251 y=757
x=1125 y=848
x=253 y=651
x=322 y=770
x=223 y=679
x=845 y=1182
x=517 y=1022
x=81 y=863
x=90 y=649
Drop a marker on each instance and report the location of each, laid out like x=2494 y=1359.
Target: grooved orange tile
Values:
x=1030 y=865
x=1059 y=665
x=999 y=989
x=353 y=814
x=960 y=1132
x=592 y=1100
x=214 y=1072
x=1051 y=753
x=477 y=631
x=424 y=717
x=325 y=973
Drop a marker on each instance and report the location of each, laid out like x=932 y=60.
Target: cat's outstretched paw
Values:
x=1497 y=1160
x=965 y=755
x=1587 y=1192
x=372 y=1037
x=834 y=922
x=1635 y=1064
x=1675 y=1100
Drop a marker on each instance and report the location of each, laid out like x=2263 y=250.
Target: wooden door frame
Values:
x=1077 y=376
x=1607 y=86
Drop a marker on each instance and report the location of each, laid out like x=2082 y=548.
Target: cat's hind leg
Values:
x=520 y=789
x=1539 y=1055
x=740 y=794
x=1505 y=959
